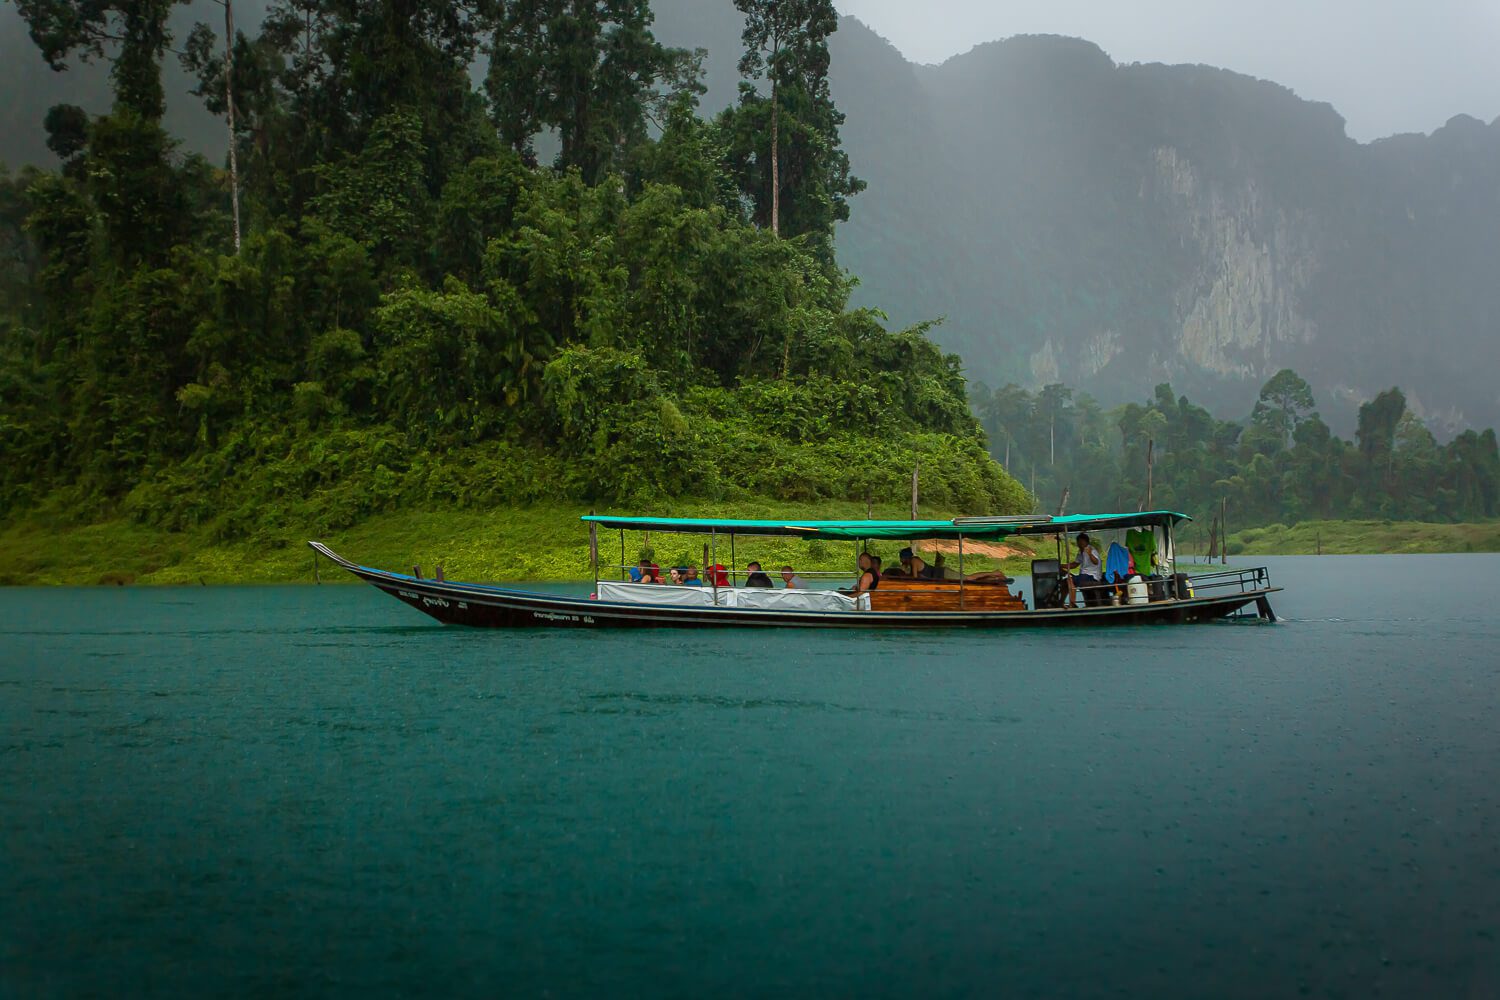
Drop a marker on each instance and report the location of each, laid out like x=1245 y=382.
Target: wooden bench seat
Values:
x=898 y=594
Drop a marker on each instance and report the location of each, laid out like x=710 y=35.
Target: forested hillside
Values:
x=428 y=307
x=1111 y=227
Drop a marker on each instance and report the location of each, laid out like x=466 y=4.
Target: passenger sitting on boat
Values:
x=866 y=580
x=677 y=577
x=755 y=577
x=914 y=566
x=1090 y=566
x=869 y=574
x=648 y=572
x=792 y=580
x=690 y=576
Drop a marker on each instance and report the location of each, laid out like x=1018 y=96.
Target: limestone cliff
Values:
x=1114 y=226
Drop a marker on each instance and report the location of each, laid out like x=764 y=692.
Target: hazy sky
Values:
x=1386 y=65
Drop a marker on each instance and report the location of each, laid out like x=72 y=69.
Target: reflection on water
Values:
x=316 y=790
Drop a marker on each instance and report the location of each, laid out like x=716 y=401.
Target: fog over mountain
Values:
x=1110 y=226
x=1389 y=66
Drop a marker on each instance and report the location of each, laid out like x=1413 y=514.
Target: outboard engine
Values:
x=1046 y=584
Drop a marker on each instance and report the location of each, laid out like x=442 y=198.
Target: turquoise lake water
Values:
x=314 y=790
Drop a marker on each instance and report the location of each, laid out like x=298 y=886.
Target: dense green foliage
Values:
x=1282 y=465
x=420 y=313
x=1074 y=220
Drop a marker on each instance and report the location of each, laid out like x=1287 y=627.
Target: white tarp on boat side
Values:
x=791 y=600
x=651 y=593
x=748 y=597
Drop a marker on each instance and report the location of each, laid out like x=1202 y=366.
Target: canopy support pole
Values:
x=713 y=552
x=1066 y=581
x=622 y=555
x=594 y=551
x=961 y=581
x=734 y=564
x=1165 y=553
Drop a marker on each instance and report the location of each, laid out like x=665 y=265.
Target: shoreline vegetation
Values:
x=547 y=544
x=521 y=544
x=1365 y=538
x=402 y=329
x=535 y=544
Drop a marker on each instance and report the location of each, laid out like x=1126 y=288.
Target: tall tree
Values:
x=1376 y=432
x=130 y=174
x=786 y=147
x=1285 y=401
x=134 y=31
x=590 y=69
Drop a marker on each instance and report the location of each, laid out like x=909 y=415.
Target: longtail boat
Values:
x=942 y=599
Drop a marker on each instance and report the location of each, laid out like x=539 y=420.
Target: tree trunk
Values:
x=775 y=156
x=234 y=163
x=1150 y=461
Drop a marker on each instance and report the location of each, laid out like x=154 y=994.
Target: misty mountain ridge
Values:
x=1109 y=226
x=1116 y=226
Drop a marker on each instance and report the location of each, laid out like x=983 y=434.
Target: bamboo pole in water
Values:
x=1224 y=531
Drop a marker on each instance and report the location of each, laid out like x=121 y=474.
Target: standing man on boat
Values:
x=1090 y=566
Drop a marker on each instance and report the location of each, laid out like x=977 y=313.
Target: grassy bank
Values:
x=538 y=543
x=546 y=542
x=1359 y=537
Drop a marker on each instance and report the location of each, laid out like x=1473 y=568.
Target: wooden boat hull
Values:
x=483 y=606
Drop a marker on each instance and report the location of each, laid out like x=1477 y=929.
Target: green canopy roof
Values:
x=968 y=527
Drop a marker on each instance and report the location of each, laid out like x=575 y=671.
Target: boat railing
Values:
x=1215 y=584
x=1242 y=581
x=736 y=579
